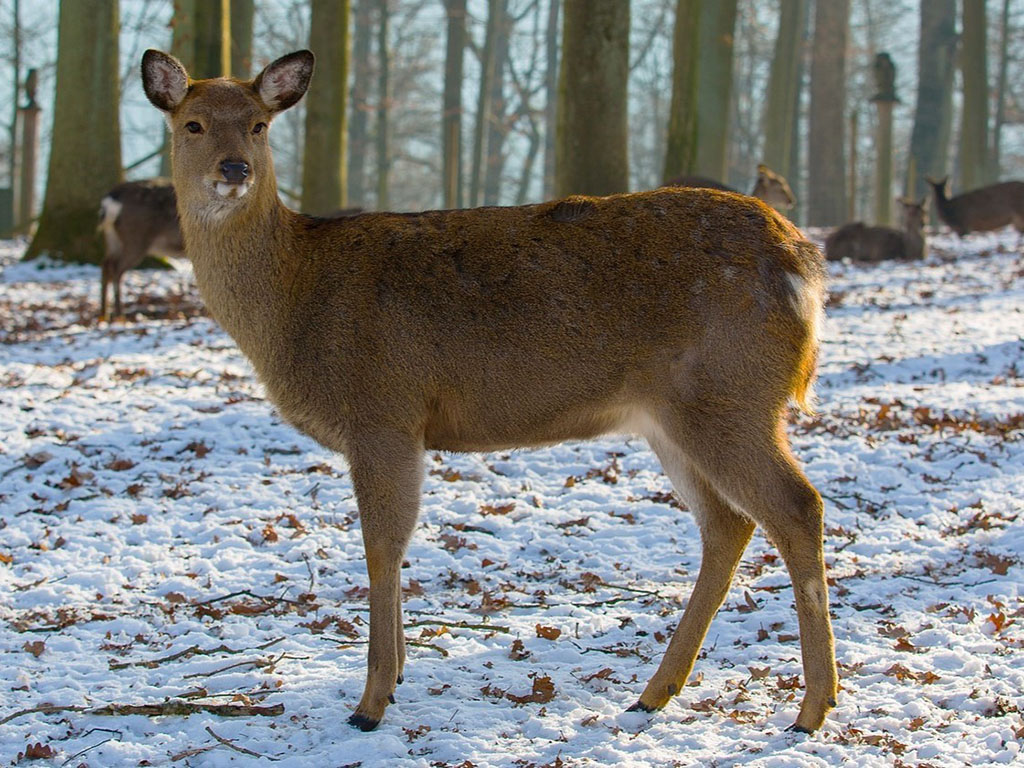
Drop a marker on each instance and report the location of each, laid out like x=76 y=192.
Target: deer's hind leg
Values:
x=724 y=536
x=746 y=459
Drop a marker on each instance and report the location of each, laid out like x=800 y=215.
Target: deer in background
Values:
x=137 y=218
x=770 y=187
x=858 y=242
x=981 y=210
x=690 y=317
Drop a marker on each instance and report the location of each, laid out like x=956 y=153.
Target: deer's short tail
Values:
x=808 y=300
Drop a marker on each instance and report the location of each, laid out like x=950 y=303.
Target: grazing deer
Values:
x=858 y=242
x=981 y=210
x=770 y=187
x=137 y=218
x=689 y=317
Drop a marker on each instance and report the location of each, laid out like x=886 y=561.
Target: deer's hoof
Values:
x=639 y=706
x=362 y=722
x=794 y=728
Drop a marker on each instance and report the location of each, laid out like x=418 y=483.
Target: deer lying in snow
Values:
x=137 y=218
x=690 y=317
x=858 y=242
x=770 y=187
x=981 y=210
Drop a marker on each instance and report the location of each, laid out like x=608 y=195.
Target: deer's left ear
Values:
x=285 y=81
x=164 y=80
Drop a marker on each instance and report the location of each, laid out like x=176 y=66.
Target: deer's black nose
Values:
x=235 y=172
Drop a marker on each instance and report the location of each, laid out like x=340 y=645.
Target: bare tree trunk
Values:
x=383 y=105
x=681 y=148
x=323 y=166
x=974 y=123
x=997 y=130
x=714 y=87
x=783 y=84
x=213 y=39
x=85 y=153
x=936 y=64
x=550 y=97
x=451 y=120
x=358 y=131
x=488 y=66
x=826 y=186
x=496 y=129
x=242 y=12
x=183 y=48
x=592 y=100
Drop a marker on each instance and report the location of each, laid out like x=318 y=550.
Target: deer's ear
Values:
x=285 y=81
x=164 y=80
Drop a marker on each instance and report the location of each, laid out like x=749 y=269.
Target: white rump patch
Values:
x=806 y=300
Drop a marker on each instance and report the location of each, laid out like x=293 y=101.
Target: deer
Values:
x=688 y=317
x=137 y=218
x=859 y=242
x=981 y=210
x=770 y=187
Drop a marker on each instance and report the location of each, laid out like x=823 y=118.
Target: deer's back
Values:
x=986 y=208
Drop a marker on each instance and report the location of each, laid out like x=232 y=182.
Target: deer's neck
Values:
x=242 y=267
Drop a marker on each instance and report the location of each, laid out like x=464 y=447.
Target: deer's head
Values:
x=219 y=128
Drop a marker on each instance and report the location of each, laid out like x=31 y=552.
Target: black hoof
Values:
x=794 y=728
x=400 y=680
x=640 y=707
x=362 y=722
x=391 y=698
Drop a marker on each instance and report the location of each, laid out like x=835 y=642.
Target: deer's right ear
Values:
x=164 y=80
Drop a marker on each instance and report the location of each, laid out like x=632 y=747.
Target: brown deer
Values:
x=981 y=210
x=689 y=317
x=770 y=187
x=137 y=218
x=858 y=242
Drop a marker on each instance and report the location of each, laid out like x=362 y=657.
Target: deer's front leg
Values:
x=387 y=472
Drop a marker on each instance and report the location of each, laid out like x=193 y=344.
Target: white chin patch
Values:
x=232 y=190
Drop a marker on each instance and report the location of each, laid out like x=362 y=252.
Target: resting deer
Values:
x=689 y=317
x=981 y=210
x=137 y=218
x=858 y=242
x=770 y=187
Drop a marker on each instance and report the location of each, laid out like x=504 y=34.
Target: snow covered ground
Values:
x=168 y=546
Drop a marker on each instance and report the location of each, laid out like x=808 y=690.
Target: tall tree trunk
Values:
x=496 y=130
x=714 y=87
x=550 y=97
x=323 y=166
x=997 y=130
x=488 y=66
x=85 y=153
x=213 y=39
x=358 y=130
x=183 y=48
x=592 y=135
x=242 y=12
x=383 y=105
x=974 y=123
x=783 y=84
x=451 y=120
x=936 y=64
x=681 y=148
x=826 y=190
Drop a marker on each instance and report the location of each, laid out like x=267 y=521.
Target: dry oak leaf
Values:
x=548 y=633
x=543 y=692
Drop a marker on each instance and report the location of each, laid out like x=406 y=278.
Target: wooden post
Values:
x=884 y=98
x=27 y=157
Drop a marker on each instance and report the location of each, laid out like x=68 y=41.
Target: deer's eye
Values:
x=193 y=127
x=259 y=127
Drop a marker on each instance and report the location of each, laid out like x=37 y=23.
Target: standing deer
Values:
x=137 y=218
x=770 y=187
x=858 y=242
x=981 y=210
x=689 y=317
